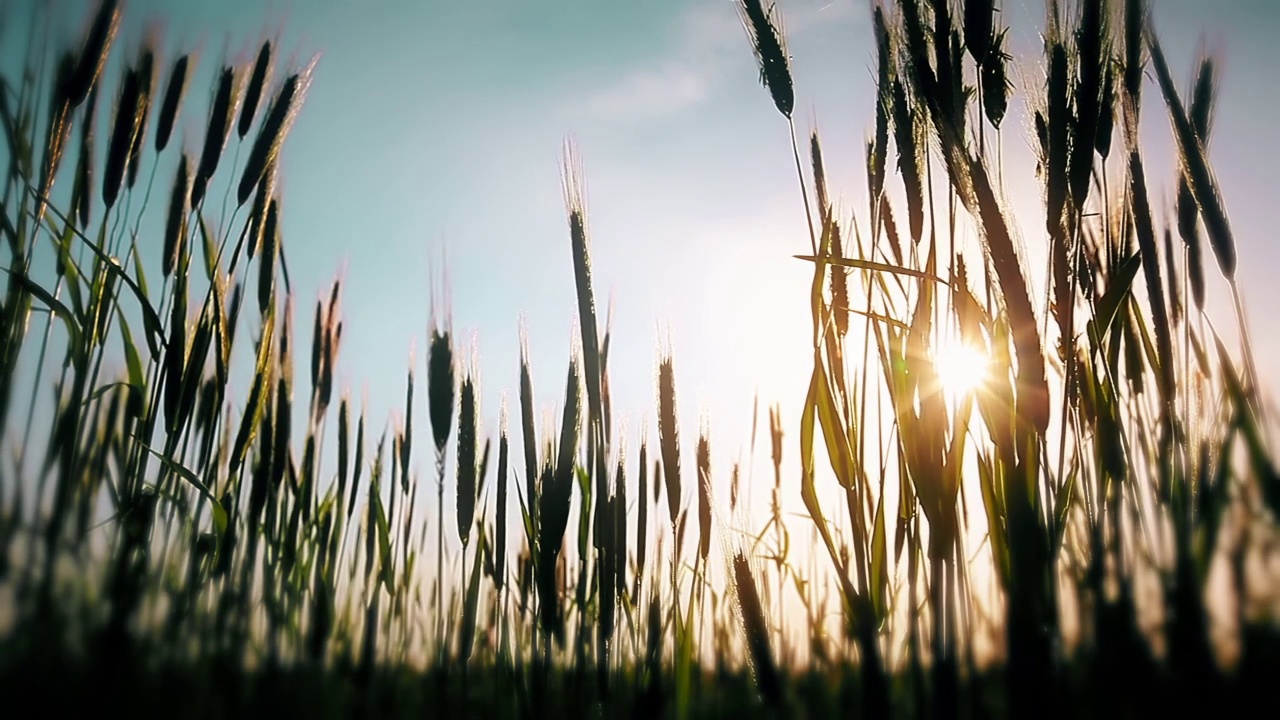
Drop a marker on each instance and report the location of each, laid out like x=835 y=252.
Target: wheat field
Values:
x=1017 y=502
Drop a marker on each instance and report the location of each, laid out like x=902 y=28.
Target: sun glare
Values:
x=961 y=368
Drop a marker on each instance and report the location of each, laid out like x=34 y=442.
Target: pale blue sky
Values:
x=437 y=127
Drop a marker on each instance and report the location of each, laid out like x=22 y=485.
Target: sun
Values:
x=962 y=368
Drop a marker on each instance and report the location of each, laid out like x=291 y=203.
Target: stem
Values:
x=464 y=594
x=440 y=643
x=804 y=193
x=1246 y=349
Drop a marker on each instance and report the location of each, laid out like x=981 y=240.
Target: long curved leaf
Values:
x=177 y=468
x=155 y=328
x=60 y=309
x=873 y=266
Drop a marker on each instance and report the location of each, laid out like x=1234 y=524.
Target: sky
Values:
x=432 y=141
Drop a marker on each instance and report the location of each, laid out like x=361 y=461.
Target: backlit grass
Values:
x=1021 y=505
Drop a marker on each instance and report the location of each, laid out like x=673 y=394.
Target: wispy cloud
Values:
x=706 y=40
x=652 y=92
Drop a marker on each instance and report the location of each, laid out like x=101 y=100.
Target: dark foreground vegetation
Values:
x=166 y=548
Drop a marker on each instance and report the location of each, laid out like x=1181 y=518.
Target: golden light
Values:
x=961 y=368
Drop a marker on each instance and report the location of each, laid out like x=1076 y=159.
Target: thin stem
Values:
x=804 y=193
x=440 y=643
